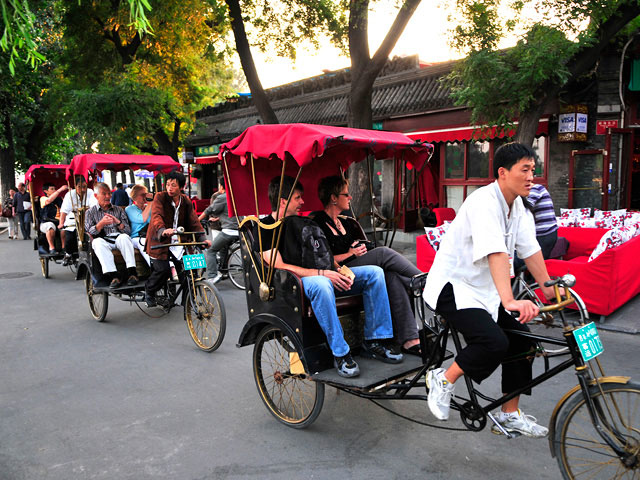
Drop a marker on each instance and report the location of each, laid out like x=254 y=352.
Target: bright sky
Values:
x=426 y=35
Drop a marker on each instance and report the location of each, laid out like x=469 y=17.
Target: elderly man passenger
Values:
x=109 y=228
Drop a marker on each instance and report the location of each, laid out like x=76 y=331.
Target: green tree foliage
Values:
x=20 y=28
x=133 y=91
x=563 y=44
x=30 y=131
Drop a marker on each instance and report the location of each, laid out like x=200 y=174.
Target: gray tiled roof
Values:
x=323 y=100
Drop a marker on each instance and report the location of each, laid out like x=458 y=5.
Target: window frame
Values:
x=466 y=181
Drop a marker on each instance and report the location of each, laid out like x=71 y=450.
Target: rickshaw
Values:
x=204 y=311
x=594 y=425
x=36 y=177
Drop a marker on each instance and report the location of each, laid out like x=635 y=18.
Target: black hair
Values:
x=509 y=154
x=288 y=184
x=329 y=186
x=118 y=185
x=79 y=179
x=177 y=176
x=47 y=186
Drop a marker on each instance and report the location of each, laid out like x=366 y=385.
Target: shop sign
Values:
x=603 y=125
x=207 y=150
x=572 y=123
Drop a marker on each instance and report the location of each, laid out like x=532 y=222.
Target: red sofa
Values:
x=424 y=253
x=610 y=280
x=605 y=284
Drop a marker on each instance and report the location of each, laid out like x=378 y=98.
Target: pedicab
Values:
x=595 y=424
x=36 y=177
x=204 y=311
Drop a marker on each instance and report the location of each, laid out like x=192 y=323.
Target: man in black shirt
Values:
x=322 y=285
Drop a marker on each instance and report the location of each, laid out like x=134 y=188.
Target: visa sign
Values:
x=567 y=123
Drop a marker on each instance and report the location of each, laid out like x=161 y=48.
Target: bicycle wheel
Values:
x=293 y=398
x=98 y=302
x=581 y=451
x=206 y=317
x=234 y=267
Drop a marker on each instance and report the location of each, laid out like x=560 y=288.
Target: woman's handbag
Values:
x=7 y=212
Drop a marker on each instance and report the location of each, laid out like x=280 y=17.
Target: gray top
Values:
x=219 y=209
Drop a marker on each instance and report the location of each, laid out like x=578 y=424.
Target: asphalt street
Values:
x=133 y=398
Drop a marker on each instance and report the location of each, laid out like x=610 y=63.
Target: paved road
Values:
x=132 y=398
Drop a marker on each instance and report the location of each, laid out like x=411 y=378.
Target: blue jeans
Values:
x=369 y=282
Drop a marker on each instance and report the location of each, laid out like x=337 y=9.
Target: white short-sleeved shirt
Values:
x=72 y=202
x=482 y=226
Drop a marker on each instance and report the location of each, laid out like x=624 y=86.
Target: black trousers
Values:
x=488 y=344
x=25 y=223
x=70 y=241
x=160 y=272
x=397 y=275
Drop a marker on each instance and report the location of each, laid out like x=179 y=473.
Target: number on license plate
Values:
x=191 y=262
x=588 y=341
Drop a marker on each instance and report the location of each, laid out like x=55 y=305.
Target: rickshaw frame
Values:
x=36 y=176
x=197 y=312
x=280 y=320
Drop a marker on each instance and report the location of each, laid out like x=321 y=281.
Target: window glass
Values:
x=539 y=148
x=478 y=163
x=472 y=188
x=454 y=195
x=454 y=160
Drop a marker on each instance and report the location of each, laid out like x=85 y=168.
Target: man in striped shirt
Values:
x=545 y=217
x=109 y=229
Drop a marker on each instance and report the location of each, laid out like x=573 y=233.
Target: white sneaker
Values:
x=520 y=423
x=216 y=278
x=440 y=391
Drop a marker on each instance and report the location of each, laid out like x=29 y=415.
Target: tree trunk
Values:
x=528 y=123
x=364 y=71
x=7 y=159
x=258 y=94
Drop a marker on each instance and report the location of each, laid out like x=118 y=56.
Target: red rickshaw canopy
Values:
x=38 y=175
x=319 y=149
x=90 y=162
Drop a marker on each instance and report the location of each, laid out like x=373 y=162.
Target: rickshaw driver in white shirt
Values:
x=469 y=284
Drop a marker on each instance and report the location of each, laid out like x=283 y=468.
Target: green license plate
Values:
x=588 y=341
x=191 y=262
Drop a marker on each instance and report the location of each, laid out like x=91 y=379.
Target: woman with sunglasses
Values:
x=348 y=247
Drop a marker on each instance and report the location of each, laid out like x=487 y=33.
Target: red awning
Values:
x=89 y=162
x=460 y=133
x=206 y=160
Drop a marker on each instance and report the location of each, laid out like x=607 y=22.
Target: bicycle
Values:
x=594 y=423
x=231 y=265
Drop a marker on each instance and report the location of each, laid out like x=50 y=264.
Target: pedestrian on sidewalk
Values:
x=9 y=206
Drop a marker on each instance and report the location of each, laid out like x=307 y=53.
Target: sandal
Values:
x=412 y=350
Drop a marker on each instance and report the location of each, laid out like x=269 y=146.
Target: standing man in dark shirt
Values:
x=24 y=214
x=119 y=198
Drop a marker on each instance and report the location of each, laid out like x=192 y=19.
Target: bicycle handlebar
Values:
x=179 y=244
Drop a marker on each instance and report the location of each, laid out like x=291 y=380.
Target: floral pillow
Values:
x=434 y=235
x=612 y=239
x=566 y=222
x=580 y=213
x=631 y=218
x=611 y=218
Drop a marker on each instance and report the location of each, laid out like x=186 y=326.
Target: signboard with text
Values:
x=603 y=125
